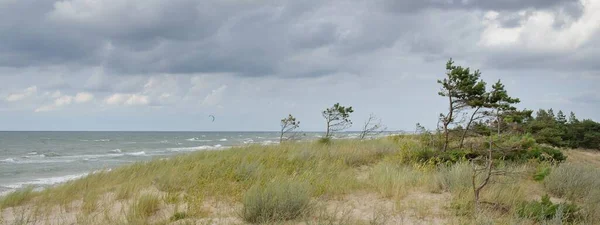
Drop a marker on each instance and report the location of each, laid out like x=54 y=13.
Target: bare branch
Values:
x=372 y=127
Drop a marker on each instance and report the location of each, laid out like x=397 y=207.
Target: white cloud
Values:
x=58 y=102
x=215 y=97
x=63 y=100
x=83 y=97
x=22 y=95
x=45 y=108
x=127 y=99
x=538 y=30
x=137 y=100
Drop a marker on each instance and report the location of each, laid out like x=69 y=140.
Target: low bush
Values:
x=324 y=140
x=178 y=216
x=546 y=210
x=541 y=173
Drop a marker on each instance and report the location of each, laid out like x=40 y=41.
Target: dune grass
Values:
x=276 y=201
x=17 y=197
x=301 y=183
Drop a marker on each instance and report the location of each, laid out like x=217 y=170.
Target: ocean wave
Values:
x=50 y=154
x=102 y=140
x=8 y=160
x=116 y=150
x=45 y=181
x=29 y=161
x=248 y=141
x=136 y=153
x=223 y=139
x=197 y=139
x=196 y=148
x=268 y=142
x=32 y=153
x=163 y=142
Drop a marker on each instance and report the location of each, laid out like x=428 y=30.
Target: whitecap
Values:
x=197 y=139
x=32 y=153
x=223 y=139
x=268 y=142
x=164 y=141
x=45 y=181
x=50 y=154
x=102 y=140
x=136 y=153
x=8 y=160
x=116 y=150
x=196 y=148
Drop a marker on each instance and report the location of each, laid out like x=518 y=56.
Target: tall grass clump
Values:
x=573 y=181
x=142 y=208
x=577 y=182
x=17 y=197
x=391 y=180
x=276 y=201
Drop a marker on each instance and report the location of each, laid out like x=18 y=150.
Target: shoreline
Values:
x=41 y=183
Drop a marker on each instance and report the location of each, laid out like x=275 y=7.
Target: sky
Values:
x=166 y=65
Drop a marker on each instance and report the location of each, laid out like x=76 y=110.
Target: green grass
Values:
x=17 y=197
x=285 y=184
x=144 y=207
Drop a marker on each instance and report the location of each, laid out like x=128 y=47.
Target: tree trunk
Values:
x=281 y=137
x=462 y=139
x=488 y=175
x=447 y=121
x=327 y=132
x=498 y=120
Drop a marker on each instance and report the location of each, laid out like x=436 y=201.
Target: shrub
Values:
x=545 y=153
x=324 y=140
x=178 y=216
x=546 y=210
x=276 y=201
x=541 y=173
x=247 y=170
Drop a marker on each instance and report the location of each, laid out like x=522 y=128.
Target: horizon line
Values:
x=248 y=131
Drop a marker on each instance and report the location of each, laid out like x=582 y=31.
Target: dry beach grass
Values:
x=344 y=182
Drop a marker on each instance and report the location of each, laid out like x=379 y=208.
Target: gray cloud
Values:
x=267 y=38
x=498 y=5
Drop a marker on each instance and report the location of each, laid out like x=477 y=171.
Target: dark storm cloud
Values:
x=181 y=36
x=251 y=38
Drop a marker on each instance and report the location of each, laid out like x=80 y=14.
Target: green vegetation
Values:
x=546 y=210
x=276 y=201
x=337 y=118
x=557 y=131
x=300 y=182
x=288 y=125
x=144 y=207
x=16 y=198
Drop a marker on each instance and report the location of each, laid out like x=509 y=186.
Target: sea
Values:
x=41 y=159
